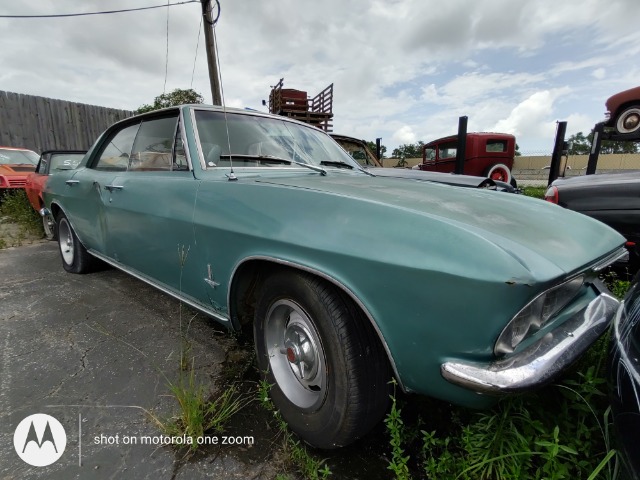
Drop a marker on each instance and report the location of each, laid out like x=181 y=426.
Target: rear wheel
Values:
x=75 y=258
x=325 y=363
x=49 y=227
x=500 y=172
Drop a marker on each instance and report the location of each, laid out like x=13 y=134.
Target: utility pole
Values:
x=210 y=40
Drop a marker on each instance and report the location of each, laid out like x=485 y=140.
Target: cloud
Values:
x=404 y=135
x=401 y=69
x=533 y=115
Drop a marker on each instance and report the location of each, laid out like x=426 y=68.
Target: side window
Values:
x=447 y=150
x=180 y=156
x=429 y=154
x=42 y=165
x=153 y=148
x=496 y=145
x=115 y=155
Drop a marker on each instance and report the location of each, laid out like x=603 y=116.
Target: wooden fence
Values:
x=40 y=123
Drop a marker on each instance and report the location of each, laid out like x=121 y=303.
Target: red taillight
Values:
x=630 y=244
x=551 y=195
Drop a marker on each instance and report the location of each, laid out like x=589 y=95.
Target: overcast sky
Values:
x=403 y=70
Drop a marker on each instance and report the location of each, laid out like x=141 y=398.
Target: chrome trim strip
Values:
x=141 y=276
x=183 y=137
x=620 y=254
x=192 y=113
x=540 y=362
x=335 y=282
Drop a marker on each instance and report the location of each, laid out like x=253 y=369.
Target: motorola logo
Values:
x=40 y=440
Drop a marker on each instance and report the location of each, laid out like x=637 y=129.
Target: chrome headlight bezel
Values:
x=536 y=314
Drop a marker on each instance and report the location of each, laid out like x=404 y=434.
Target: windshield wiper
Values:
x=272 y=159
x=338 y=164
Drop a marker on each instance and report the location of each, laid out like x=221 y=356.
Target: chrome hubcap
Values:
x=66 y=242
x=296 y=357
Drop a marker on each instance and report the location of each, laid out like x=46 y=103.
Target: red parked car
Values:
x=487 y=155
x=51 y=161
x=623 y=112
x=15 y=165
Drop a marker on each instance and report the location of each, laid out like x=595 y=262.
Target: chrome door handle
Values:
x=72 y=182
x=111 y=188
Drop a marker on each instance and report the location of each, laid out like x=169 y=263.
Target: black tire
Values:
x=626 y=113
x=513 y=182
x=328 y=370
x=74 y=256
x=49 y=227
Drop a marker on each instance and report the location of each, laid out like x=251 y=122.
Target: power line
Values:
x=196 y=56
x=106 y=12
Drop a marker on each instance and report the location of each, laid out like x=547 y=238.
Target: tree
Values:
x=408 y=150
x=372 y=146
x=177 y=97
x=579 y=144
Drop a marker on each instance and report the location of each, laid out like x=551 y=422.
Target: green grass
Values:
x=535 y=192
x=15 y=206
x=295 y=454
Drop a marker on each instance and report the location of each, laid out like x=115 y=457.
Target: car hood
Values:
x=447 y=178
x=541 y=237
x=22 y=169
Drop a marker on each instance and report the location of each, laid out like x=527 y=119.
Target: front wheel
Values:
x=75 y=258
x=327 y=366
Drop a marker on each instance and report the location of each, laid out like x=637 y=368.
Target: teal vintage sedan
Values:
x=347 y=280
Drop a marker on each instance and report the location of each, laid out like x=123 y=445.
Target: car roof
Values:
x=474 y=134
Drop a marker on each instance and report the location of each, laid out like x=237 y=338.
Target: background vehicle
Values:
x=623 y=112
x=486 y=155
x=15 y=166
x=51 y=161
x=624 y=380
x=362 y=154
x=346 y=279
x=612 y=198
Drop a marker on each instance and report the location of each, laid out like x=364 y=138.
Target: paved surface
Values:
x=69 y=348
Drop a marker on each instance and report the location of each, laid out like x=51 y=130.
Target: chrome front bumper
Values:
x=540 y=362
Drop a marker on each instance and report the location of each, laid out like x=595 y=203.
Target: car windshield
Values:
x=17 y=157
x=65 y=161
x=268 y=141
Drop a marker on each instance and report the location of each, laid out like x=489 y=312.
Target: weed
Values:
x=535 y=192
x=395 y=428
x=15 y=205
x=307 y=465
x=616 y=284
x=198 y=414
x=561 y=431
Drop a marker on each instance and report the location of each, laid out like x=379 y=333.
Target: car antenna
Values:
x=231 y=175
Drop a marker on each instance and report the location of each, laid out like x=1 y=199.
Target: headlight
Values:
x=536 y=314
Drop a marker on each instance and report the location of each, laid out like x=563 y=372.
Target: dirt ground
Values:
x=13 y=235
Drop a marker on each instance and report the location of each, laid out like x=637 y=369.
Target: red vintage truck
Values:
x=487 y=155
